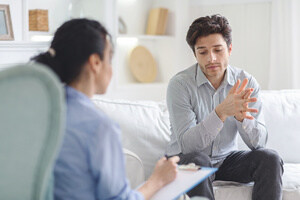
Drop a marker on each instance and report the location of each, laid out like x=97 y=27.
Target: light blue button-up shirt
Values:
x=90 y=164
x=195 y=126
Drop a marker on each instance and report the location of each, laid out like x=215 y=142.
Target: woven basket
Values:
x=38 y=20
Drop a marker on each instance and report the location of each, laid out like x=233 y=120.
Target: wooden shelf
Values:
x=222 y=2
x=22 y=45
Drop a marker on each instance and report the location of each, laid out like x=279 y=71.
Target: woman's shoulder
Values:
x=89 y=120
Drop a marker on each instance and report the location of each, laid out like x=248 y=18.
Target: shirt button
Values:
x=244 y=127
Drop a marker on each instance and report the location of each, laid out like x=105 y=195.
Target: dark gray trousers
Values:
x=263 y=166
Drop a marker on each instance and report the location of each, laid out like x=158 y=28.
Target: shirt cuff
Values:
x=213 y=124
x=247 y=125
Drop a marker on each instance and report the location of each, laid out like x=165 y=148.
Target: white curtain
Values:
x=285 y=45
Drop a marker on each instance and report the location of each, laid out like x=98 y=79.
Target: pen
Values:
x=167 y=157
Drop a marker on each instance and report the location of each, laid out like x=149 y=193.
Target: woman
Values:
x=90 y=164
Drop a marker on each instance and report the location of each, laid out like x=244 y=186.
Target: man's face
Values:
x=212 y=54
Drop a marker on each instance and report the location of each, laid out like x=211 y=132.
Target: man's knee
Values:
x=270 y=159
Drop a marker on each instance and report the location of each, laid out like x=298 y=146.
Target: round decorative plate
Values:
x=142 y=64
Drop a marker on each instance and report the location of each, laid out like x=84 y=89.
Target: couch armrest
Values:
x=134 y=168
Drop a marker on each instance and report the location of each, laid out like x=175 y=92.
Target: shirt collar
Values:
x=229 y=76
x=75 y=94
x=201 y=78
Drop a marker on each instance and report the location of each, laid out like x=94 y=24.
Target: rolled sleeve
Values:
x=254 y=132
x=202 y=135
x=213 y=124
x=190 y=135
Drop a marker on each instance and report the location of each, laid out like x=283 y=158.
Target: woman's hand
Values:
x=165 y=171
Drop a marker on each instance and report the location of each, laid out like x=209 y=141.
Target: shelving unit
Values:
x=173 y=54
x=58 y=12
x=170 y=51
x=129 y=12
x=29 y=43
x=164 y=48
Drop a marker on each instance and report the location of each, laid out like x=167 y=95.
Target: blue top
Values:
x=90 y=164
x=195 y=126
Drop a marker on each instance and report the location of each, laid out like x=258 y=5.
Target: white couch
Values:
x=146 y=132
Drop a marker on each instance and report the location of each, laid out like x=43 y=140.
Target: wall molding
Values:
x=14 y=53
x=23 y=46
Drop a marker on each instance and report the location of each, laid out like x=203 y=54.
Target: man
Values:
x=209 y=106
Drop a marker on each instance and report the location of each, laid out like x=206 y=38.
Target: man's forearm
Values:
x=202 y=135
x=253 y=133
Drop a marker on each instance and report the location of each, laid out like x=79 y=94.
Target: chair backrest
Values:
x=32 y=118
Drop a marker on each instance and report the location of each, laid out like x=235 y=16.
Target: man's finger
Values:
x=252 y=110
x=250 y=100
x=244 y=92
x=236 y=85
x=248 y=94
x=243 y=86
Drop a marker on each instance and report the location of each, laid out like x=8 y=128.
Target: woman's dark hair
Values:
x=204 y=26
x=72 y=45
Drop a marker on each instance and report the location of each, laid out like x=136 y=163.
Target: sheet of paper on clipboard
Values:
x=185 y=181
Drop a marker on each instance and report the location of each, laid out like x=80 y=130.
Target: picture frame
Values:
x=6 y=30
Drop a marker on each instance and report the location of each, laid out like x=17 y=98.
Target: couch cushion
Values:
x=282 y=114
x=145 y=127
x=146 y=132
x=281 y=109
x=225 y=190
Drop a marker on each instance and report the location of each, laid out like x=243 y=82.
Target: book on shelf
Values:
x=157 y=21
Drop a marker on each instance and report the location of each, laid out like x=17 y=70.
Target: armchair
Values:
x=31 y=124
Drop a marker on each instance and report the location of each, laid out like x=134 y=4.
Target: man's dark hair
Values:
x=204 y=26
x=73 y=43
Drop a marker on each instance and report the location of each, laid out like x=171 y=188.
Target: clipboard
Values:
x=184 y=182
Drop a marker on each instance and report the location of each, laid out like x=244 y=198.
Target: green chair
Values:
x=32 y=119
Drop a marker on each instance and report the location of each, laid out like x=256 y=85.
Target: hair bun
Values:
x=52 y=52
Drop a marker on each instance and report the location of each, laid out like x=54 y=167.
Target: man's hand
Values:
x=236 y=102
